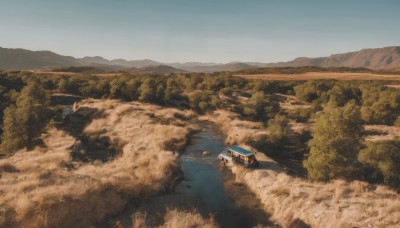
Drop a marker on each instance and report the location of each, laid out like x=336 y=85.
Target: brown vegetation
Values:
x=46 y=187
x=321 y=75
x=237 y=131
x=381 y=132
x=175 y=218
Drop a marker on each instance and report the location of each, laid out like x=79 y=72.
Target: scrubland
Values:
x=52 y=187
x=321 y=75
x=294 y=200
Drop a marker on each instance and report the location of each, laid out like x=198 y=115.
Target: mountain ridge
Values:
x=371 y=58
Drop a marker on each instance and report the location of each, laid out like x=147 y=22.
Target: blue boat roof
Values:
x=241 y=150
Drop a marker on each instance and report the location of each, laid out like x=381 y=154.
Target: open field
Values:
x=109 y=153
x=321 y=75
x=394 y=86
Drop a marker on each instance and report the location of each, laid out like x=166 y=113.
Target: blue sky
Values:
x=199 y=30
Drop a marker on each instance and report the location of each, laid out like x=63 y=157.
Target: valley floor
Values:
x=109 y=153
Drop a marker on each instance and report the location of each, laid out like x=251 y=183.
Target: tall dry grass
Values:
x=176 y=219
x=47 y=188
x=237 y=131
x=293 y=200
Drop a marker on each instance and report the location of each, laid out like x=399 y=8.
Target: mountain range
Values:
x=21 y=59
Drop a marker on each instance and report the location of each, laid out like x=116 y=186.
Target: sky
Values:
x=199 y=30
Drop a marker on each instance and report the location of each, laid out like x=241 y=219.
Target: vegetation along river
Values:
x=232 y=204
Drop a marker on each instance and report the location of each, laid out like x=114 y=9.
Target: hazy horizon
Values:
x=193 y=31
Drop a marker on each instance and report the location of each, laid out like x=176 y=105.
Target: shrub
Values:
x=335 y=144
x=278 y=129
x=383 y=157
x=260 y=107
x=24 y=121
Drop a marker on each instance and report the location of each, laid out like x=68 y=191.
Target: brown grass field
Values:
x=319 y=75
x=54 y=186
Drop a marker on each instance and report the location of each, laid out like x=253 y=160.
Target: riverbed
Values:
x=207 y=187
x=232 y=204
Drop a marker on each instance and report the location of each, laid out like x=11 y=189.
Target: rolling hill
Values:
x=21 y=59
x=375 y=59
x=160 y=69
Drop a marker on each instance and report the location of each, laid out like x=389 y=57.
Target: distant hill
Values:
x=83 y=69
x=119 y=62
x=160 y=69
x=21 y=59
x=219 y=67
x=376 y=59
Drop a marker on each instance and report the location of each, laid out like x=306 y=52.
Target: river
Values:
x=207 y=187
x=232 y=204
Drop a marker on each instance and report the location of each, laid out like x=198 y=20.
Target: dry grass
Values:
x=176 y=219
x=335 y=204
x=385 y=132
x=47 y=188
x=237 y=131
x=290 y=200
x=321 y=75
x=394 y=86
x=290 y=103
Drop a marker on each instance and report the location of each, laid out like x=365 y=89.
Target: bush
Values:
x=381 y=105
x=260 y=107
x=384 y=158
x=335 y=144
x=148 y=90
x=278 y=129
x=302 y=115
x=24 y=121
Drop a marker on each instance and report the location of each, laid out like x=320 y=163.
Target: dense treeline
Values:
x=340 y=109
x=337 y=149
x=379 y=104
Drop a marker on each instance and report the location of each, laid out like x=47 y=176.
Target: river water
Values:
x=232 y=204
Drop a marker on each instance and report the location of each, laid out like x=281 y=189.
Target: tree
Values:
x=24 y=121
x=172 y=91
x=278 y=129
x=255 y=106
x=383 y=157
x=335 y=144
x=260 y=107
x=13 y=137
x=148 y=90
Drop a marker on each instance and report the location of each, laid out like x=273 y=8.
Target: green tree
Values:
x=172 y=91
x=260 y=107
x=148 y=90
x=13 y=137
x=24 y=121
x=278 y=129
x=384 y=157
x=255 y=106
x=335 y=144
